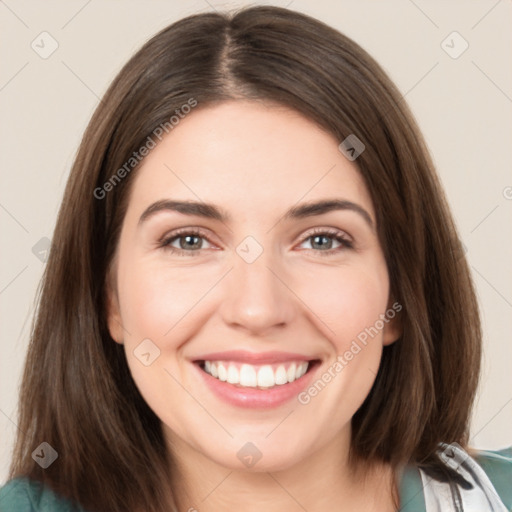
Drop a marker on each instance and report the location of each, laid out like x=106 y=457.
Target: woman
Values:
x=255 y=295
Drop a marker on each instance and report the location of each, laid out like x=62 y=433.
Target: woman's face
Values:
x=255 y=288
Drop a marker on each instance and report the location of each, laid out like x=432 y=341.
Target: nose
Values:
x=257 y=297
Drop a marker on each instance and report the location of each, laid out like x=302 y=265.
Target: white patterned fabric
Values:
x=479 y=495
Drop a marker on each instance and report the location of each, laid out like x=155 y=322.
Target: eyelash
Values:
x=338 y=236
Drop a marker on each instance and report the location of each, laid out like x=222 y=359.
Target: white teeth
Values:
x=255 y=376
x=248 y=376
x=233 y=377
x=266 y=377
x=291 y=374
x=223 y=374
x=280 y=376
x=301 y=370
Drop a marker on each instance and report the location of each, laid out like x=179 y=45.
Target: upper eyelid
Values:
x=183 y=232
x=328 y=231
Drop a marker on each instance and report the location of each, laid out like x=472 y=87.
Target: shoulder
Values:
x=17 y=494
x=24 y=495
x=498 y=467
x=411 y=491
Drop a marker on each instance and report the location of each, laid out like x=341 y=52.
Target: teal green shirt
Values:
x=22 y=495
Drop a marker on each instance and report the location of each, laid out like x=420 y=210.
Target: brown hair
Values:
x=77 y=393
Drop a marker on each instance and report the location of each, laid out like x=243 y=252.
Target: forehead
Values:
x=248 y=154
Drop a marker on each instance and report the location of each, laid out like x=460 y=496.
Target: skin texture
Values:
x=254 y=161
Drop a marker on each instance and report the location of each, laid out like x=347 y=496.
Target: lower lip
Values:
x=256 y=398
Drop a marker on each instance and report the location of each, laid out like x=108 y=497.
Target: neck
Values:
x=325 y=480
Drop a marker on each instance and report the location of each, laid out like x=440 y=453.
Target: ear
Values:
x=393 y=328
x=114 y=323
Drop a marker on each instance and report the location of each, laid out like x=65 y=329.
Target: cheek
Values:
x=348 y=304
x=347 y=301
x=154 y=299
x=158 y=304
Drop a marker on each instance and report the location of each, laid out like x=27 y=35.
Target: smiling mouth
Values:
x=266 y=376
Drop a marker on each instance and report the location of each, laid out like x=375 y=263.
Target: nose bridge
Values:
x=256 y=297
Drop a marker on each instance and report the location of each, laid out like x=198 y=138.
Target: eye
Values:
x=189 y=242
x=322 y=240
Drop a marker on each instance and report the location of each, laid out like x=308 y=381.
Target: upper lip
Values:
x=244 y=356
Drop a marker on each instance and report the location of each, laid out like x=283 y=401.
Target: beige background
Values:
x=463 y=106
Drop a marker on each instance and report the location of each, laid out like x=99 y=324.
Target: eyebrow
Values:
x=210 y=211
